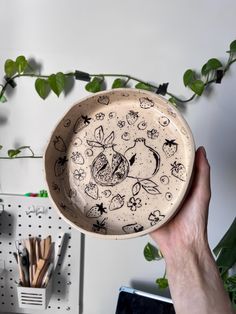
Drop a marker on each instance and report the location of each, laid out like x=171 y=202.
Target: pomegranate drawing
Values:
x=144 y=161
x=109 y=167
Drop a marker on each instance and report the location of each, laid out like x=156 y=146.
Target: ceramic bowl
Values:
x=119 y=163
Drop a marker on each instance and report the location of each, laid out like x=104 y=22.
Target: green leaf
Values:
x=95 y=85
x=42 y=87
x=197 y=87
x=232 y=46
x=151 y=253
x=13 y=152
x=162 y=283
x=10 y=67
x=3 y=99
x=21 y=64
x=118 y=83
x=1 y=147
x=230 y=284
x=57 y=82
x=143 y=86
x=188 y=77
x=172 y=100
x=226 y=249
x=211 y=65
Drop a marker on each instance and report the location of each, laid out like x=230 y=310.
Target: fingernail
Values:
x=203 y=151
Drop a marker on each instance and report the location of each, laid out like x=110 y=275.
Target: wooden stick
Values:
x=39 y=268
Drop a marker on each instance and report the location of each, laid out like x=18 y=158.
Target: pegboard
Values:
x=24 y=217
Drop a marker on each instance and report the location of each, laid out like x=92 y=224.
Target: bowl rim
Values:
x=181 y=196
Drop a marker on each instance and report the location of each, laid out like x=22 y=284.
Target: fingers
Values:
x=201 y=181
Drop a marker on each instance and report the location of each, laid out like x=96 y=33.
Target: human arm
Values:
x=194 y=280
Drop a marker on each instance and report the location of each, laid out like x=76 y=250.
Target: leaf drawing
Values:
x=132 y=160
x=151 y=190
x=148 y=183
x=136 y=188
x=110 y=138
x=94 y=144
x=99 y=134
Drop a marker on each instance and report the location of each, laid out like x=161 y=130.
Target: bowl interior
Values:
x=119 y=163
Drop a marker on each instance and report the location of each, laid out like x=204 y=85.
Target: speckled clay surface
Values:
x=119 y=163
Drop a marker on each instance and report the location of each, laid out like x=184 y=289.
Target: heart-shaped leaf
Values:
x=3 y=99
x=13 y=152
x=197 y=87
x=151 y=253
x=232 y=46
x=162 y=283
x=143 y=86
x=10 y=67
x=21 y=64
x=189 y=77
x=147 y=182
x=211 y=65
x=1 y=147
x=95 y=85
x=57 y=82
x=94 y=144
x=42 y=87
x=118 y=83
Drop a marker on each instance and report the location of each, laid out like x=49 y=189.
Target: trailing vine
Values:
x=211 y=72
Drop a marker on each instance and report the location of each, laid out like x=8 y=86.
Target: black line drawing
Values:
x=77 y=142
x=109 y=167
x=136 y=188
x=81 y=122
x=100 y=116
x=134 y=203
x=164 y=121
x=104 y=100
x=155 y=217
x=125 y=136
x=164 y=180
x=72 y=193
x=117 y=202
x=66 y=123
x=142 y=125
x=125 y=94
x=121 y=124
x=140 y=155
x=152 y=134
x=170 y=147
x=171 y=112
x=131 y=228
x=59 y=144
x=91 y=190
x=100 y=226
x=89 y=152
x=60 y=166
x=96 y=211
x=178 y=170
x=132 y=117
x=77 y=158
x=55 y=187
x=79 y=174
x=112 y=115
x=146 y=102
x=107 y=193
x=168 y=196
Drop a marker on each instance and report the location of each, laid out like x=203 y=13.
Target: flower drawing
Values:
x=79 y=174
x=134 y=203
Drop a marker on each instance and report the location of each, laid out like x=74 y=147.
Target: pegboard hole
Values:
x=9 y=205
x=59 y=291
x=19 y=206
x=19 y=215
x=68 y=265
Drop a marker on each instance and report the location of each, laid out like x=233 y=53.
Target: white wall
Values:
x=153 y=40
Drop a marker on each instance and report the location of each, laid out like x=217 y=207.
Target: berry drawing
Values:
x=131 y=228
x=59 y=144
x=96 y=211
x=91 y=190
x=146 y=103
x=170 y=148
x=132 y=117
x=117 y=202
x=178 y=170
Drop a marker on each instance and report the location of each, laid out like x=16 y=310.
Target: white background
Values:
x=153 y=40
